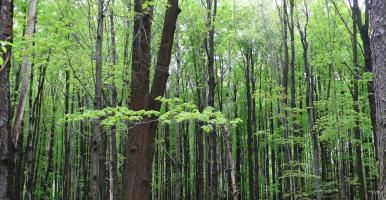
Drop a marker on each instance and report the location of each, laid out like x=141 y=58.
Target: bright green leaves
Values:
x=3 y=51
x=112 y=116
x=178 y=112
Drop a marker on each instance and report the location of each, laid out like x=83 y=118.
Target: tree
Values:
x=141 y=138
x=98 y=158
x=378 y=48
x=6 y=35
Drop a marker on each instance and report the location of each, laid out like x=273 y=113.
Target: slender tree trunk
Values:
x=212 y=9
x=287 y=147
x=16 y=129
x=67 y=142
x=50 y=150
x=177 y=128
x=113 y=143
x=238 y=143
x=97 y=174
x=249 y=124
x=199 y=147
x=311 y=114
x=357 y=131
x=30 y=138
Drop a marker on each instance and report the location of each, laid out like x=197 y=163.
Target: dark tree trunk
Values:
x=177 y=194
x=6 y=147
x=357 y=131
x=248 y=55
x=199 y=147
x=140 y=147
x=113 y=186
x=67 y=142
x=238 y=143
x=212 y=9
x=96 y=153
x=287 y=148
x=311 y=113
x=50 y=150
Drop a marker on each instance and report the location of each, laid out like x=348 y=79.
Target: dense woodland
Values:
x=192 y=99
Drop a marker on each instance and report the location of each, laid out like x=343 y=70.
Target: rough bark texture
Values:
x=140 y=147
x=6 y=23
x=97 y=178
x=378 y=47
x=212 y=9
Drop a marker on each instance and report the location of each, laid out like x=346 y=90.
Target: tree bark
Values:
x=211 y=16
x=140 y=146
x=6 y=147
x=97 y=171
x=248 y=55
x=357 y=131
x=16 y=129
x=113 y=143
x=177 y=128
x=378 y=48
x=67 y=144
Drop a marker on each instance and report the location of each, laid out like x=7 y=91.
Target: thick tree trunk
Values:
x=6 y=147
x=140 y=147
x=378 y=48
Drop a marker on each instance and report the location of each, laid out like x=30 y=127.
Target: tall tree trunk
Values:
x=378 y=48
x=67 y=142
x=140 y=147
x=50 y=150
x=287 y=147
x=248 y=55
x=113 y=143
x=311 y=114
x=177 y=129
x=238 y=143
x=6 y=147
x=357 y=131
x=16 y=129
x=199 y=147
x=97 y=178
x=212 y=9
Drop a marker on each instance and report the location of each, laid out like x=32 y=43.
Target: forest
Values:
x=192 y=99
